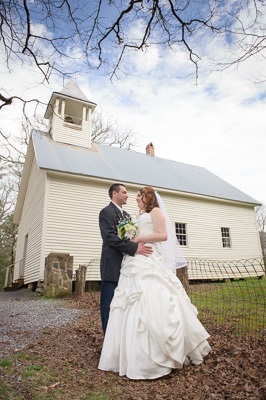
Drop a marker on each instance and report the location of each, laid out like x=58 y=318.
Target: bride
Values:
x=152 y=327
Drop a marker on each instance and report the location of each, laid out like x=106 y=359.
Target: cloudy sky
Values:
x=218 y=123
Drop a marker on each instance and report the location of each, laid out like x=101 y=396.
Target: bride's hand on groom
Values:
x=144 y=250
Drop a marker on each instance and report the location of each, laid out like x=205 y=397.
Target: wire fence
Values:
x=228 y=294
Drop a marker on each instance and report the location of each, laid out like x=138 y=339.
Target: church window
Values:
x=181 y=233
x=226 y=240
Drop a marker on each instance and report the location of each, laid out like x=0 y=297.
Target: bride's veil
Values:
x=172 y=252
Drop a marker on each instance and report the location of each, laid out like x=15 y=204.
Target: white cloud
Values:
x=219 y=124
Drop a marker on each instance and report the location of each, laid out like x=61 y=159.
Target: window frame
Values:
x=181 y=234
x=226 y=238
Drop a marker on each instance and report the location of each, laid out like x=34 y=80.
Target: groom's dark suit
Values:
x=112 y=255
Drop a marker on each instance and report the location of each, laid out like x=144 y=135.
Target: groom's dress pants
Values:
x=107 y=294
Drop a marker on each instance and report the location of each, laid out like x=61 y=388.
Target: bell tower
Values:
x=69 y=113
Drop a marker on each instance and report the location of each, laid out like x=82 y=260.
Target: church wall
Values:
x=72 y=222
x=31 y=224
x=73 y=219
x=204 y=219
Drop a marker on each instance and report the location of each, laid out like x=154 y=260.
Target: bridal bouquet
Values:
x=126 y=229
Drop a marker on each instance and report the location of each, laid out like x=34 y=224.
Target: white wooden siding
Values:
x=31 y=223
x=73 y=220
x=72 y=223
x=65 y=133
x=204 y=219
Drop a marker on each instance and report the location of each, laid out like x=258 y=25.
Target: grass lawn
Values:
x=240 y=303
x=42 y=382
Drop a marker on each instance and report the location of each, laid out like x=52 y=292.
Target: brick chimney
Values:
x=150 y=149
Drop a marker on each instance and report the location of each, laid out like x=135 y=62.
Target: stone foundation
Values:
x=32 y=286
x=58 y=274
x=40 y=288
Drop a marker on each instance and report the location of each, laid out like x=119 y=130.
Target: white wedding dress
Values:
x=152 y=327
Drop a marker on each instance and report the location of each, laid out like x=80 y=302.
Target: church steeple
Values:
x=69 y=112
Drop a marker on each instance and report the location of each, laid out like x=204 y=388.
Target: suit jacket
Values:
x=113 y=247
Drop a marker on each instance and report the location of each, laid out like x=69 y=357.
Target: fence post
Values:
x=80 y=279
x=182 y=274
x=9 y=276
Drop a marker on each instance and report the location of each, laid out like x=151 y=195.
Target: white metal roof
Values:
x=129 y=166
x=71 y=89
x=69 y=92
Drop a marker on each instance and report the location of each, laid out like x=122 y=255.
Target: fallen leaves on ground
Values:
x=69 y=356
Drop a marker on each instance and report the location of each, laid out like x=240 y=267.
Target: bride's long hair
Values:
x=150 y=198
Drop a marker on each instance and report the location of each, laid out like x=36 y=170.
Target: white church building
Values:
x=65 y=184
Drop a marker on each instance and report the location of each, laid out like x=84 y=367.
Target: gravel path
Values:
x=23 y=317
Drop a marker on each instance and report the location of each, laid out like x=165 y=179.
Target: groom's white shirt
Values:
x=119 y=208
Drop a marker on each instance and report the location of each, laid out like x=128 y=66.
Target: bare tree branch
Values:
x=7 y=201
x=107 y=131
x=6 y=101
x=47 y=33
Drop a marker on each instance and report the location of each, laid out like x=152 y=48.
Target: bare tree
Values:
x=7 y=199
x=14 y=148
x=8 y=235
x=48 y=34
x=106 y=130
x=261 y=218
x=261 y=221
x=8 y=230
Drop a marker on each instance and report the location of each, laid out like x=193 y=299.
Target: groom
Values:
x=113 y=248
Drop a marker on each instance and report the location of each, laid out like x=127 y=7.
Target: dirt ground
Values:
x=235 y=369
